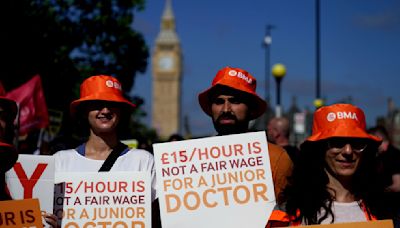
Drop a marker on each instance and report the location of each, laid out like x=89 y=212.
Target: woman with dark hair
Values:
x=103 y=109
x=334 y=180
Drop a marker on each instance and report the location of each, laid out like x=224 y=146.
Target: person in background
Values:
x=388 y=159
x=101 y=110
x=334 y=179
x=8 y=153
x=175 y=137
x=278 y=131
x=232 y=102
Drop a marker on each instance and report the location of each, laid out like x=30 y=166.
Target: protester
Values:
x=388 y=159
x=334 y=179
x=175 y=137
x=103 y=108
x=8 y=153
x=232 y=102
x=278 y=131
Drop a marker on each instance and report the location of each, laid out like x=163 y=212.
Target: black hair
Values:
x=175 y=137
x=307 y=190
x=246 y=98
x=82 y=127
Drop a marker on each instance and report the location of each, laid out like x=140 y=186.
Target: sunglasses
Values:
x=357 y=145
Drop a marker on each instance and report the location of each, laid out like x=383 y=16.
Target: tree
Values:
x=67 y=41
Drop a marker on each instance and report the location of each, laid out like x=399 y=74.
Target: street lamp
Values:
x=278 y=71
x=318 y=102
x=267 y=43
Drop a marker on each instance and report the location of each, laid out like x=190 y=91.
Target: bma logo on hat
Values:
x=240 y=75
x=341 y=115
x=331 y=116
x=232 y=73
x=111 y=84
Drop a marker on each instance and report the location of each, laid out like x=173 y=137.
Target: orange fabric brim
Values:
x=340 y=131
x=112 y=97
x=204 y=101
x=343 y=131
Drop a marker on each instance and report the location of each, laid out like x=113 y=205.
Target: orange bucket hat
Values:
x=339 y=120
x=237 y=79
x=101 y=88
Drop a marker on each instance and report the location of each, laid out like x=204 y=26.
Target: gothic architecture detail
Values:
x=167 y=77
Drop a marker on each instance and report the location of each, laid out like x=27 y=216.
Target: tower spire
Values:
x=167 y=33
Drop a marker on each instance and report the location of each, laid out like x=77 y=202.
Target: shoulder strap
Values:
x=112 y=157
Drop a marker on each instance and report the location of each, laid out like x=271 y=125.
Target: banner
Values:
x=32 y=105
x=20 y=213
x=33 y=177
x=105 y=199
x=202 y=182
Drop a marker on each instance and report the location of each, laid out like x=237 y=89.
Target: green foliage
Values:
x=102 y=37
x=65 y=41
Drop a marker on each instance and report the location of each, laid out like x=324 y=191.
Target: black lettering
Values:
x=31 y=217
x=9 y=217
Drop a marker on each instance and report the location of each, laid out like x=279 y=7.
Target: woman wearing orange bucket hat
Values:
x=334 y=180
x=101 y=105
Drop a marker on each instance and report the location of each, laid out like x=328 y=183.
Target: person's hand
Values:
x=50 y=219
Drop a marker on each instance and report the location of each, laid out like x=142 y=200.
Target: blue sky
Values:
x=360 y=50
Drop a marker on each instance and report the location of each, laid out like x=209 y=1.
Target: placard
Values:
x=104 y=199
x=20 y=213
x=33 y=177
x=203 y=182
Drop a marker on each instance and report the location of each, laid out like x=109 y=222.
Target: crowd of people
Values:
x=343 y=172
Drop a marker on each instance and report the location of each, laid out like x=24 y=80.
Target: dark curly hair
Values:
x=307 y=190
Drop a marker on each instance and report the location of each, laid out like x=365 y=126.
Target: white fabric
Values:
x=133 y=160
x=346 y=212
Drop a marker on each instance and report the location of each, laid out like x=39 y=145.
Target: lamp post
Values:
x=267 y=43
x=318 y=102
x=278 y=71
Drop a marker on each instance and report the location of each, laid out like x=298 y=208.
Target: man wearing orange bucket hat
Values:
x=232 y=102
x=334 y=179
x=101 y=106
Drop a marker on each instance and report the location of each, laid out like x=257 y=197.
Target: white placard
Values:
x=33 y=177
x=104 y=199
x=222 y=181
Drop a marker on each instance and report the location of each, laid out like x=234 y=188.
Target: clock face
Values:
x=166 y=63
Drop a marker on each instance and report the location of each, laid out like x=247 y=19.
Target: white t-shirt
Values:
x=130 y=160
x=346 y=212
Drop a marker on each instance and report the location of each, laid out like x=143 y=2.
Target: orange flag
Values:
x=33 y=112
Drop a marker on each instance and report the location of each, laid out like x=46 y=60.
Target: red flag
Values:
x=32 y=105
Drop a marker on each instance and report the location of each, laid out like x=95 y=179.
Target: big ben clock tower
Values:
x=167 y=77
